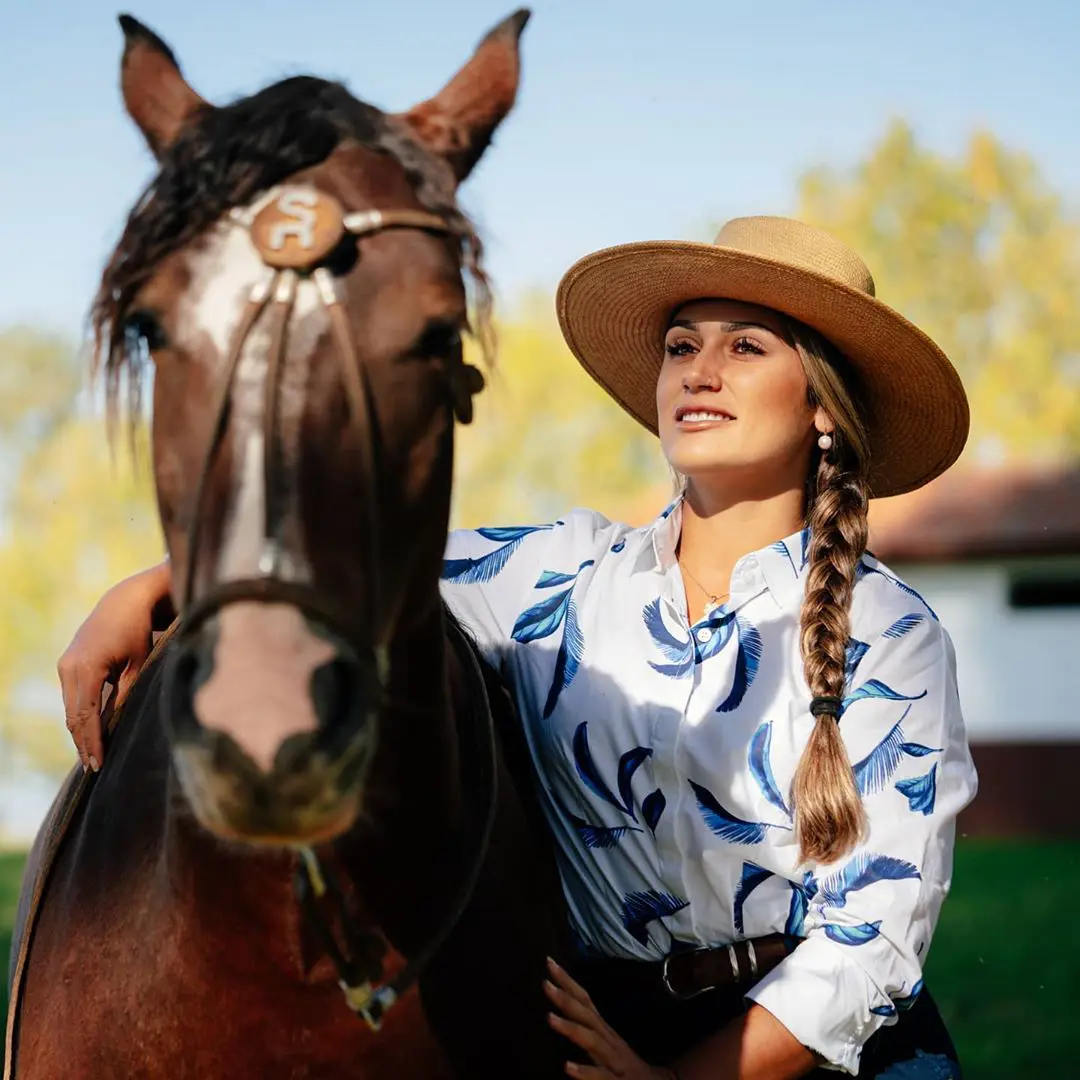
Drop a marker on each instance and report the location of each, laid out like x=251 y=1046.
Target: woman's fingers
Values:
x=613 y=1058
x=577 y=1010
x=588 y=1038
x=566 y=983
x=585 y=1010
x=131 y=672
x=81 y=685
x=589 y=1072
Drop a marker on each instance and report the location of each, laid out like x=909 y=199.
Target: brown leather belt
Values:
x=684 y=975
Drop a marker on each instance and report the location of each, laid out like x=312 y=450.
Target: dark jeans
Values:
x=660 y=1029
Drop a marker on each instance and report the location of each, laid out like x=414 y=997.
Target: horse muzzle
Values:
x=272 y=722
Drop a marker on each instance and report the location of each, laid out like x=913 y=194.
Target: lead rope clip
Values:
x=370 y=1002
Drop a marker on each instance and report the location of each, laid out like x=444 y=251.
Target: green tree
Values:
x=980 y=252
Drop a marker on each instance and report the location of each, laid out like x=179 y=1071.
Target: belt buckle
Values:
x=672 y=992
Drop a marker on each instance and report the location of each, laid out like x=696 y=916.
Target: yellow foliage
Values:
x=76 y=523
x=39 y=378
x=979 y=252
x=546 y=437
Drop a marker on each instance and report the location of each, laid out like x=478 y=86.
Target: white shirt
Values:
x=665 y=752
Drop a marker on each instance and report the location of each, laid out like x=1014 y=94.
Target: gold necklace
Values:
x=714 y=599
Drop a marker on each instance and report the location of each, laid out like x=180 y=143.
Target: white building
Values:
x=997 y=554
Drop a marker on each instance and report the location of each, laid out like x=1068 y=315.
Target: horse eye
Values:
x=143 y=335
x=439 y=339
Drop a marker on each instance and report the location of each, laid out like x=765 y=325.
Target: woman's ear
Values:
x=823 y=422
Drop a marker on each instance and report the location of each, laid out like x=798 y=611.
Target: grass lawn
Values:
x=10 y=873
x=1003 y=963
x=1002 y=966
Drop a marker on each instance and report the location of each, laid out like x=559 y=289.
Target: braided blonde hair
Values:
x=829 y=815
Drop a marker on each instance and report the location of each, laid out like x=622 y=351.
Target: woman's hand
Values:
x=110 y=646
x=613 y=1059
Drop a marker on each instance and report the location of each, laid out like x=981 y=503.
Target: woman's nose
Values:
x=701 y=377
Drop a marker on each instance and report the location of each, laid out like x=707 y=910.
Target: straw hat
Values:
x=615 y=305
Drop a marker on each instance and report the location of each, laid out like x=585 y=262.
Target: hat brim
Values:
x=615 y=305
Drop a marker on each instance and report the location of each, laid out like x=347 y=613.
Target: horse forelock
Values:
x=222 y=160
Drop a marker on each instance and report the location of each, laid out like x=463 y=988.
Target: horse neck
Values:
x=219 y=884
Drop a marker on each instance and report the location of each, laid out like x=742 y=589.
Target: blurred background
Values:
x=939 y=139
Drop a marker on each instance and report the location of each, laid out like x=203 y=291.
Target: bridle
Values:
x=296 y=230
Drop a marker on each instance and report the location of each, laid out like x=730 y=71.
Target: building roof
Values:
x=981 y=514
x=969 y=513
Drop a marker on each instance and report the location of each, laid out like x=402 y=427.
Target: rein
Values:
x=359 y=960
x=296 y=230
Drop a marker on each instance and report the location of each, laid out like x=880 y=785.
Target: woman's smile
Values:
x=701 y=417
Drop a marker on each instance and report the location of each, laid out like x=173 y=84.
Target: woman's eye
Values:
x=679 y=348
x=748 y=345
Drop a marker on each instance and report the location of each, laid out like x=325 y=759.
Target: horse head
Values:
x=294 y=279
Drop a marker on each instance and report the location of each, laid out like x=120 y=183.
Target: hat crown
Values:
x=802 y=246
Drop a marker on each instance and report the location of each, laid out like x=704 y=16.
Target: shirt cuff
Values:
x=824 y=999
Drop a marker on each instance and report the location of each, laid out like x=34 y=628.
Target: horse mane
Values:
x=222 y=159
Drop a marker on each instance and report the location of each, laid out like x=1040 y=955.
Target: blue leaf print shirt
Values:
x=665 y=752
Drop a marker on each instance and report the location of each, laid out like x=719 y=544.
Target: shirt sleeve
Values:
x=490 y=574
x=870 y=917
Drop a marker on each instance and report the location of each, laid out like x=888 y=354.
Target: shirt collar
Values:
x=780 y=568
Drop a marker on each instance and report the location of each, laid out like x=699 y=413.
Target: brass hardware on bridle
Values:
x=295 y=230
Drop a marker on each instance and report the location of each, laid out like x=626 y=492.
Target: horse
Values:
x=312 y=850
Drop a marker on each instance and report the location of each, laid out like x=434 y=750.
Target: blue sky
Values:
x=637 y=119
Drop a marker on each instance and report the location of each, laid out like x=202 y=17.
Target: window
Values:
x=1046 y=592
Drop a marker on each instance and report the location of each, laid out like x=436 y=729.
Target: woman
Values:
x=742 y=723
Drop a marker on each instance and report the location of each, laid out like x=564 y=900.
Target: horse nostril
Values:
x=337 y=694
x=190 y=667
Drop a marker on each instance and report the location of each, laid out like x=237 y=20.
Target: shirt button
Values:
x=704 y=635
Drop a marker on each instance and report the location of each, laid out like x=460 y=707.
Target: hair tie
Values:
x=826 y=706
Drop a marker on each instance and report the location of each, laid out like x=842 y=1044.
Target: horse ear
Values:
x=457 y=124
x=155 y=94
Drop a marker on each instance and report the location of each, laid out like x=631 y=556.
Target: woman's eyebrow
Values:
x=735 y=327
x=725 y=327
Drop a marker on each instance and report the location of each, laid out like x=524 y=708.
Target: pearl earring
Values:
x=825 y=441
